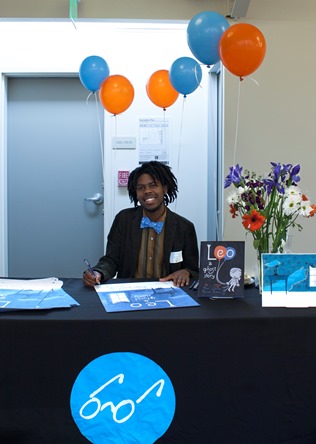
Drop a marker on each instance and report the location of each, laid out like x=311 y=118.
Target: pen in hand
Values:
x=90 y=269
x=196 y=285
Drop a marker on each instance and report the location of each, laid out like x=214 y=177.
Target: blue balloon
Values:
x=203 y=35
x=93 y=70
x=230 y=253
x=185 y=75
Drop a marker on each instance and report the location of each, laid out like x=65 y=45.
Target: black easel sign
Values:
x=222 y=266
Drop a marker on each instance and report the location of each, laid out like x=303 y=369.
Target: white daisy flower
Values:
x=292 y=190
x=294 y=193
x=233 y=198
x=241 y=190
x=290 y=205
x=305 y=208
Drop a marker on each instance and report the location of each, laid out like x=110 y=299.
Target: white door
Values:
x=54 y=163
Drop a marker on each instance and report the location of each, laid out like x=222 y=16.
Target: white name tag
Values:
x=175 y=257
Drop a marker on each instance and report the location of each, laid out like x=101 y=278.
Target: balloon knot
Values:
x=241 y=79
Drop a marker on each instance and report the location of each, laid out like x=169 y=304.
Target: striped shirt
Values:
x=150 y=256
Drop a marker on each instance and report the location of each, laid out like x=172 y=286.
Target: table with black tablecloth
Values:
x=241 y=373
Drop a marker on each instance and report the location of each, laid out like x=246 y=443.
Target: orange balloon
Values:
x=160 y=90
x=242 y=48
x=116 y=94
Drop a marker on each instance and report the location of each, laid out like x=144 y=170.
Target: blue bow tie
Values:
x=147 y=223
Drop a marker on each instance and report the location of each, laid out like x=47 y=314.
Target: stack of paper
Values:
x=33 y=294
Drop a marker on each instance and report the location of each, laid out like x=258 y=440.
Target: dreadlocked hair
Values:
x=159 y=172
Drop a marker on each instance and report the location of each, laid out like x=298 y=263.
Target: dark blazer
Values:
x=124 y=241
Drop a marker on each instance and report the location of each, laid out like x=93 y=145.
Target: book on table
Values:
x=222 y=266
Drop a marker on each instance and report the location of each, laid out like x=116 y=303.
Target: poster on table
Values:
x=34 y=294
x=134 y=296
x=288 y=280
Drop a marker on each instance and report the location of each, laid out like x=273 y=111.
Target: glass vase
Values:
x=258 y=273
x=280 y=249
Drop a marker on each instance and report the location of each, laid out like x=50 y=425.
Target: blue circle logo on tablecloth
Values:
x=122 y=398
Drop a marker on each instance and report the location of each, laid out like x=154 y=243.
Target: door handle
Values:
x=97 y=199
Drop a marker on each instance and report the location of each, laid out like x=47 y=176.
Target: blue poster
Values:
x=143 y=296
x=289 y=280
x=34 y=294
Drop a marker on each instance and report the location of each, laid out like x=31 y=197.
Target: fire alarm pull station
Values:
x=123 y=178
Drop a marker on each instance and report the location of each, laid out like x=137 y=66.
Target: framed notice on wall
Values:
x=154 y=139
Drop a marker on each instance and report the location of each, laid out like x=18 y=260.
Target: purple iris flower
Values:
x=280 y=172
x=294 y=174
x=278 y=177
x=234 y=176
x=270 y=183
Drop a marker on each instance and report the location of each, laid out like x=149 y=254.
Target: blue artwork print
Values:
x=122 y=398
x=289 y=280
x=151 y=295
x=289 y=272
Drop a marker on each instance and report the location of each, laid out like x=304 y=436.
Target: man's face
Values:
x=150 y=193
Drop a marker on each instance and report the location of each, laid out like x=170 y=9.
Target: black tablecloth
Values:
x=241 y=373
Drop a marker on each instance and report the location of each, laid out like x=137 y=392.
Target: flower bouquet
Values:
x=269 y=206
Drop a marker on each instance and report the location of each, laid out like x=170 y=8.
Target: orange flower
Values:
x=253 y=221
x=233 y=210
x=311 y=214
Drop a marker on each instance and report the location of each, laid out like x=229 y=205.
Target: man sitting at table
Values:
x=149 y=240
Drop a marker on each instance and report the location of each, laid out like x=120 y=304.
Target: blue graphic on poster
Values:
x=289 y=280
x=122 y=398
x=134 y=296
x=289 y=272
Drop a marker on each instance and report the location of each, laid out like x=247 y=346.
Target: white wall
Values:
x=39 y=48
x=277 y=117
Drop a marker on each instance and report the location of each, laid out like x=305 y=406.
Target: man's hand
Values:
x=90 y=280
x=179 y=278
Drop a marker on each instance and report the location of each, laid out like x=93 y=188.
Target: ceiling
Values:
x=283 y=10
x=111 y=9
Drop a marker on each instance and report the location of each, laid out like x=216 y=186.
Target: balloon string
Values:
x=181 y=130
x=236 y=137
x=215 y=179
x=253 y=80
x=114 y=164
x=196 y=76
x=100 y=135
x=115 y=134
x=106 y=202
x=237 y=124
x=87 y=99
x=164 y=132
x=180 y=140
